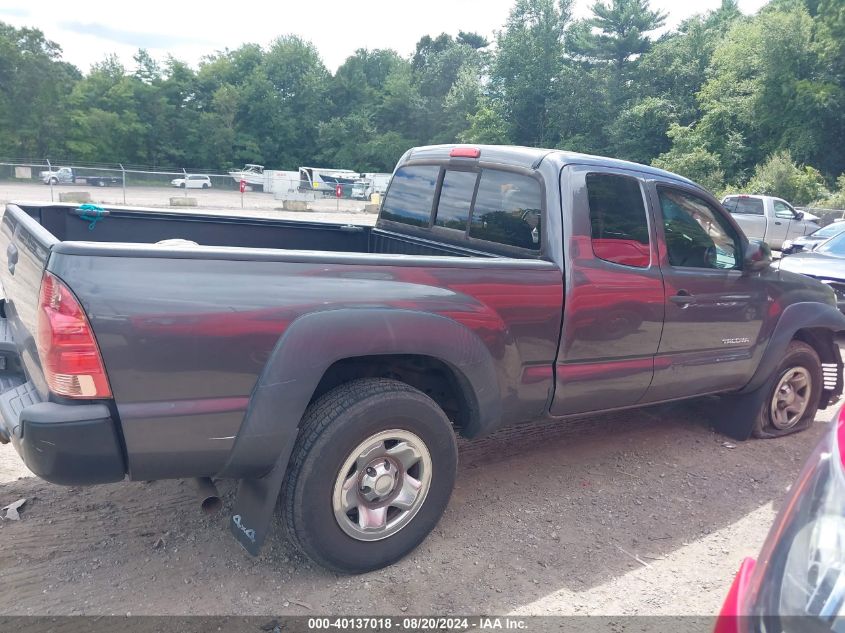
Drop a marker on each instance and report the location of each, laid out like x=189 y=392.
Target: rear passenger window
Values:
x=741 y=205
x=411 y=195
x=618 y=223
x=507 y=210
x=455 y=199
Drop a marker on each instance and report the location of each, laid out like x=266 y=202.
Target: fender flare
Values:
x=312 y=343
x=309 y=346
x=736 y=419
x=797 y=316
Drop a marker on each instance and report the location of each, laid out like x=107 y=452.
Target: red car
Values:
x=798 y=581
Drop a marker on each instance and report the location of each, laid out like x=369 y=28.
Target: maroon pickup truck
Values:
x=334 y=365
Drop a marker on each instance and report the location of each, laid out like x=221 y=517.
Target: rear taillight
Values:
x=69 y=354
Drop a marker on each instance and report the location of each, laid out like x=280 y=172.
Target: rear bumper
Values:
x=69 y=444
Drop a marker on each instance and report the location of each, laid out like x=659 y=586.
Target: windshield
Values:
x=829 y=231
x=834 y=246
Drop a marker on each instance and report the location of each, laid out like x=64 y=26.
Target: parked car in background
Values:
x=192 y=181
x=368 y=184
x=797 y=583
x=770 y=219
x=66 y=176
x=825 y=263
x=63 y=175
x=811 y=241
x=334 y=364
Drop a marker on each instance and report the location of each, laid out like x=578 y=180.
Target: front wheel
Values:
x=794 y=395
x=371 y=474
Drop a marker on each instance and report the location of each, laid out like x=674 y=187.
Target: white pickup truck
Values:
x=66 y=176
x=770 y=219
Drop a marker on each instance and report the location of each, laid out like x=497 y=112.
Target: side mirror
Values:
x=799 y=215
x=758 y=256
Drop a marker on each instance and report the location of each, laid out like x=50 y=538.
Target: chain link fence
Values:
x=826 y=216
x=147 y=186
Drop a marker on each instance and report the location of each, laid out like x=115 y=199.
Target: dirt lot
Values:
x=213 y=200
x=544 y=520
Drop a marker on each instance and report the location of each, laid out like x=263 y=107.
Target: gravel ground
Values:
x=643 y=512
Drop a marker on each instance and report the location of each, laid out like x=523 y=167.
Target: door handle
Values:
x=682 y=299
x=778 y=223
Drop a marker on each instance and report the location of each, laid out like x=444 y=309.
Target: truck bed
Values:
x=147 y=226
x=186 y=331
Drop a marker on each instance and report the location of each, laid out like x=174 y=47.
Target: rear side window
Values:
x=618 y=223
x=507 y=210
x=744 y=206
x=455 y=199
x=411 y=195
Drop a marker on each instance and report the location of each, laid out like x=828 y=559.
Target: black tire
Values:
x=331 y=429
x=181 y=185
x=205 y=186
x=798 y=355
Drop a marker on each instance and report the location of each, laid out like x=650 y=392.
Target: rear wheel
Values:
x=371 y=474
x=794 y=395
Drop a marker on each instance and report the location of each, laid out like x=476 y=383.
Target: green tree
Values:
x=34 y=89
x=780 y=176
x=486 y=126
x=105 y=125
x=530 y=54
x=688 y=157
x=675 y=69
x=835 y=200
x=438 y=64
x=581 y=109
x=284 y=100
x=764 y=93
x=617 y=32
x=596 y=108
x=641 y=132
x=359 y=80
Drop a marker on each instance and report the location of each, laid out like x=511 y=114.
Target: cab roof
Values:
x=532 y=157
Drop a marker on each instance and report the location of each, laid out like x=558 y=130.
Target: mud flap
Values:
x=254 y=506
x=737 y=413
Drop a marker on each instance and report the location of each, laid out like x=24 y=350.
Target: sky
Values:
x=88 y=30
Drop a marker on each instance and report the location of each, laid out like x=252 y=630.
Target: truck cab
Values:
x=63 y=175
x=767 y=218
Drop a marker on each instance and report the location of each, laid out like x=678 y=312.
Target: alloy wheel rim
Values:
x=791 y=398
x=382 y=485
